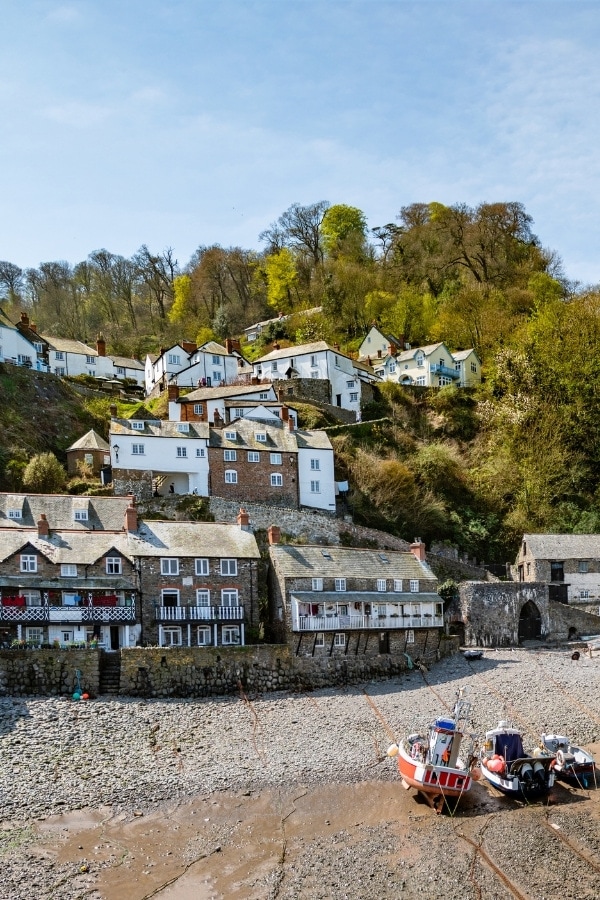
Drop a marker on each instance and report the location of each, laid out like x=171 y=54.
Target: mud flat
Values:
x=291 y=796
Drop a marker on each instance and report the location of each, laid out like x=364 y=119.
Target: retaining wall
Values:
x=46 y=672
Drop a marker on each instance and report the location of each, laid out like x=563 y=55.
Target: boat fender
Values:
x=416 y=750
x=560 y=757
x=496 y=764
x=526 y=772
x=393 y=750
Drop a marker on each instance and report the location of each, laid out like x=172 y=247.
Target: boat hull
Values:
x=434 y=780
x=572 y=764
x=514 y=783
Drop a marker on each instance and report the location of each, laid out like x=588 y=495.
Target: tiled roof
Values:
x=463 y=354
x=230 y=390
x=410 y=354
x=156 y=428
x=279 y=437
x=66 y=546
x=212 y=347
x=104 y=513
x=563 y=546
x=126 y=362
x=344 y=562
x=66 y=345
x=90 y=441
x=315 y=440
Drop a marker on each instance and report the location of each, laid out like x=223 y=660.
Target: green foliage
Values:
x=281 y=274
x=44 y=475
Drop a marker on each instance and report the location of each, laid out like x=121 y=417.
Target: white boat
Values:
x=506 y=766
x=571 y=763
x=433 y=764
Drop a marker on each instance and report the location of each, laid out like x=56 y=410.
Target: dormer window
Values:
x=137 y=426
x=80 y=515
x=14 y=514
x=183 y=427
x=419 y=359
x=261 y=437
x=231 y=435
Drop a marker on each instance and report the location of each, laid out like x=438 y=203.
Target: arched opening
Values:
x=457 y=629
x=530 y=623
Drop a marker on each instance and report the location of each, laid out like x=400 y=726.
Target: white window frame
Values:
x=350 y=384
x=173 y=631
x=80 y=515
x=204 y=632
x=340 y=584
x=231 y=476
x=216 y=360
x=315 y=465
x=339 y=639
x=137 y=449
x=317 y=584
x=59 y=354
x=68 y=570
x=275 y=459
x=382 y=584
x=182 y=453
x=261 y=437
x=198 y=409
x=200 y=451
x=231 y=435
x=228 y=567
x=202 y=566
x=114 y=565
x=169 y=565
x=392 y=368
x=410 y=636
x=253 y=456
x=230 y=455
x=274 y=366
x=232 y=596
x=319 y=639
x=34 y=634
x=276 y=479
x=421 y=380
x=174 y=359
x=414 y=585
x=353 y=397
x=14 y=514
x=90 y=360
x=398 y=585
x=183 y=427
x=29 y=562
x=315 y=487
x=136 y=425
x=203 y=597
x=230 y=635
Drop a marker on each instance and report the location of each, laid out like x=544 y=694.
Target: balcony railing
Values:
x=200 y=613
x=353 y=623
x=438 y=369
x=67 y=613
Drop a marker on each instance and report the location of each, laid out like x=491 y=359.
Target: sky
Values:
x=181 y=123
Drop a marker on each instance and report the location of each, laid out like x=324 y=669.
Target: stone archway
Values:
x=530 y=622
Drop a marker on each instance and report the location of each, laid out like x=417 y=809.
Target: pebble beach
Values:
x=292 y=795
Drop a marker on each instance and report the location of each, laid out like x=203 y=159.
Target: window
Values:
x=315 y=487
x=419 y=359
x=317 y=584
x=410 y=636
x=584 y=595
x=230 y=455
x=336 y=361
x=354 y=397
x=528 y=566
x=339 y=640
x=340 y=584
x=216 y=377
x=169 y=566
x=34 y=635
x=237 y=412
x=314 y=374
x=313 y=361
x=68 y=570
x=181 y=452
x=261 y=437
x=254 y=456
x=90 y=360
x=350 y=384
x=137 y=426
x=137 y=449
x=392 y=368
x=229 y=598
x=202 y=567
x=183 y=427
x=121 y=371
x=583 y=566
x=58 y=354
x=174 y=359
x=398 y=585
x=229 y=567
x=199 y=451
x=169 y=599
x=231 y=435
x=59 y=370
x=231 y=635
x=80 y=515
x=421 y=380
x=457 y=366
x=263 y=396
x=319 y=639
x=315 y=464
x=557 y=571
x=203 y=637
x=171 y=636
x=473 y=368
x=202 y=598
x=216 y=360
x=381 y=584
x=230 y=476
x=198 y=409
x=414 y=585
x=113 y=565
x=274 y=366
x=276 y=479
x=444 y=380
x=14 y=514
x=28 y=562
x=275 y=459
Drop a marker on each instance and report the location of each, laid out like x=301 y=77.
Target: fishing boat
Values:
x=433 y=763
x=506 y=766
x=571 y=763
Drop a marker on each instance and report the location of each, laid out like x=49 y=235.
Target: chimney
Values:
x=274 y=534
x=254 y=380
x=285 y=414
x=417 y=548
x=290 y=423
x=276 y=346
x=368 y=360
x=379 y=354
x=131 y=519
x=243 y=520
x=218 y=421
x=392 y=349
x=232 y=344
x=24 y=319
x=43 y=527
x=100 y=346
x=189 y=347
x=336 y=346
x=33 y=327
x=172 y=392
x=113 y=410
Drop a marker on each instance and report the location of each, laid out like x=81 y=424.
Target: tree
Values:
x=299 y=228
x=282 y=277
x=11 y=281
x=344 y=230
x=156 y=273
x=44 y=475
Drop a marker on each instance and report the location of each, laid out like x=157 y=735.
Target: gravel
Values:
x=137 y=759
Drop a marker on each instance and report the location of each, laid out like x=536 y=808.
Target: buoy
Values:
x=393 y=750
x=76 y=696
x=85 y=696
x=496 y=764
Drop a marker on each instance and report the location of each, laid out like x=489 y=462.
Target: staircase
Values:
x=110 y=673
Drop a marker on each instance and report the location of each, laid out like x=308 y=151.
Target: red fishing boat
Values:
x=439 y=764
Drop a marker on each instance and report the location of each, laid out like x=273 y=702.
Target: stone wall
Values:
x=131 y=481
x=288 y=389
x=569 y=622
x=46 y=672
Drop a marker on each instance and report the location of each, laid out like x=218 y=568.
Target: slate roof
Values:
x=407 y=355
x=66 y=546
x=211 y=539
x=279 y=437
x=143 y=414
x=104 y=513
x=157 y=428
x=67 y=345
x=90 y=441
x=229 y=390
x=125 y=362
x=459 y=355
x=345 y=562
x=299 y=350
x=365 y=596
x=563 y=546
x=212 y=347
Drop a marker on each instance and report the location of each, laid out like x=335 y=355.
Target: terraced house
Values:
x=339 y=601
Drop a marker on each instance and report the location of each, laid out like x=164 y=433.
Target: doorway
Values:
x=114 y=637
x=384 y=642
x=530 y=623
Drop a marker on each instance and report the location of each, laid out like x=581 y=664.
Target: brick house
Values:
x=338 y=601
x=92 y=450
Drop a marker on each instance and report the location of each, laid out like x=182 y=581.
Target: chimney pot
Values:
x=43 y=527
x=274 y=534
x=131 y=519
x=100 y=346
x=173 y=392
x=417 y=548
x=285 y=413
x=24 y=318
x=276 y=345
x=290 y=422
x=33 y=327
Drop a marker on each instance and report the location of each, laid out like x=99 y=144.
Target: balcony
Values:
x=199 y=613
x=438 y=369
x=67 y=614
x=356 y=623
